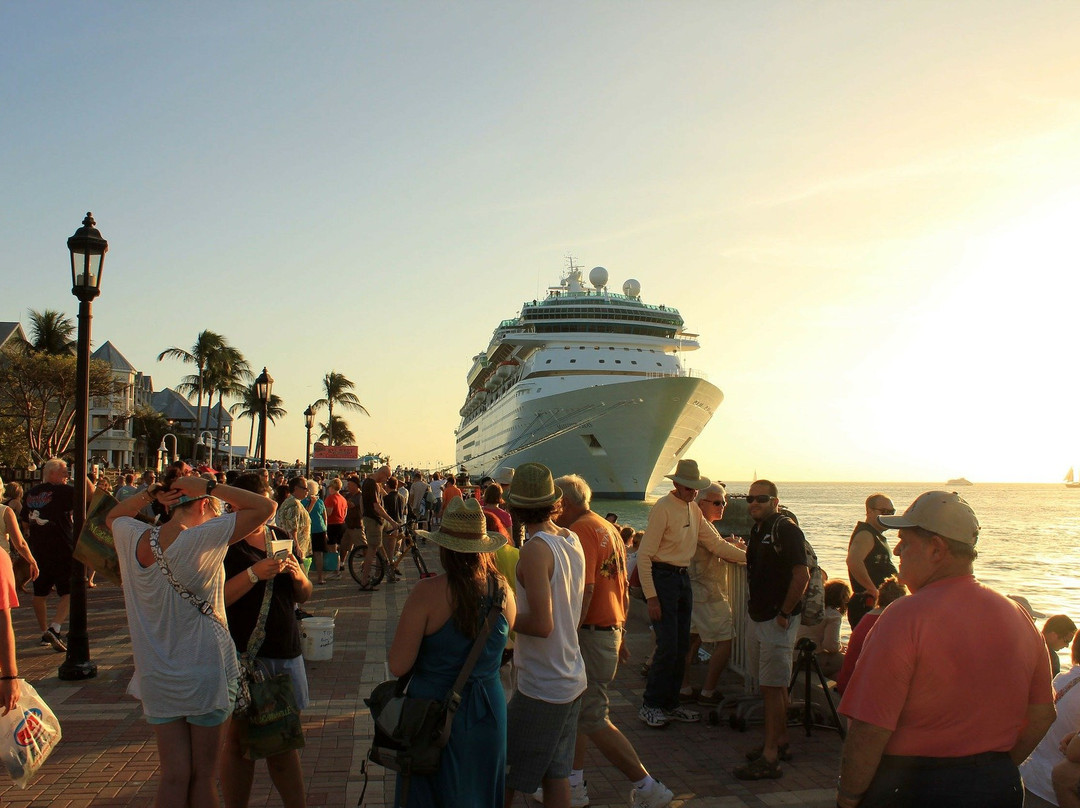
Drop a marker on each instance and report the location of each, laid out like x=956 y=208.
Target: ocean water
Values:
x=1029 y=542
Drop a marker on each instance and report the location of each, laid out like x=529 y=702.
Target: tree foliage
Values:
x=38 y=391
x=206 y=344
x=339 y=435
x=250 y=406
x=52 y=332
x=338 y=393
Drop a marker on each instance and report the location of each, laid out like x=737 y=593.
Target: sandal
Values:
x=784 y=753
x=760 y=769
x=368 y=587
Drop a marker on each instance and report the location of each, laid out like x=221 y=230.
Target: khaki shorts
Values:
x=769 y=650
x=600 y=652
x=373 y=531
x=712 y=621
x=354 y=537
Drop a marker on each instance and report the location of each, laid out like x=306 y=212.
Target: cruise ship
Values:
x=587 y=382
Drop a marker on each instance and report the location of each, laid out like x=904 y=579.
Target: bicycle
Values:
x=379 y=567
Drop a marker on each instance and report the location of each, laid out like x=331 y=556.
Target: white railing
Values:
x=737 y=599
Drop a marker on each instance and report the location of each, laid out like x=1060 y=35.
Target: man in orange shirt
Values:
x=449 y=491
x=601 y=639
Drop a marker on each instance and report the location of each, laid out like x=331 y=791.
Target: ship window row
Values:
x=601 y=314
x=567 y=314
x=611 y=348
x=602 y=361
x=598 y=328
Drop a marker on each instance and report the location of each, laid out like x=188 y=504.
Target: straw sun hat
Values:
x=464 y=530
x=533 y=487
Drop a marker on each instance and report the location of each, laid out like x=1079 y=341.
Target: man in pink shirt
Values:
x=952 y=690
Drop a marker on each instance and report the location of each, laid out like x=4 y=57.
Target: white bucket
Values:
x=317 y=638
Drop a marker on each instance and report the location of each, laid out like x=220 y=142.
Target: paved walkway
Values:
x=108 y=758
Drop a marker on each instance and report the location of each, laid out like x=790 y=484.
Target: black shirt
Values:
x=47 y=508
x=879 y=560
x=776 y=546
x=282 y=631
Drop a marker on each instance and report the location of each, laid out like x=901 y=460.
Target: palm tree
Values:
x=51 y=332
x=228 y=374
x=336 y=432
x=206 y=344
x=339 y=393
x=250 y=406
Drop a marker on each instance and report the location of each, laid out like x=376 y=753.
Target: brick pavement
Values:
x=108 y=757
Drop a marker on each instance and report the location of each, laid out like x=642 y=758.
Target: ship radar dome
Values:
x=598 y=277
x=631 y=288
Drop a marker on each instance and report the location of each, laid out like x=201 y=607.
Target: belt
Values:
x=599 y=628
x=916 y=762
x=660 y=565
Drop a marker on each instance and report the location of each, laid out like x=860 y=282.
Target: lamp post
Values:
x=208 y=436
x=309 y=422
x=263 y=385
x=164 y=448
x=87 y=249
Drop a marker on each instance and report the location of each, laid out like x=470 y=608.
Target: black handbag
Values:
x=411 y=732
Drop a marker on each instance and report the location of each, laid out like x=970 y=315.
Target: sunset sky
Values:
x=868 y=211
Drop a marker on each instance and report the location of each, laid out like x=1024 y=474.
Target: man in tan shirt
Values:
x=676 y=527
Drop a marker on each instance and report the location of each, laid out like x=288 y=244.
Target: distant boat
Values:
x=1070 y=479
x=960 y=481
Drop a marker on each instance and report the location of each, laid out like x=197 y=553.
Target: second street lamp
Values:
x=309 y=422
x=87 y=249
x=263 y=385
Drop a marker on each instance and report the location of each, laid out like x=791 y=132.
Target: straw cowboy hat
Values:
x=533 y=487
x=464 y=530
x=687 y=474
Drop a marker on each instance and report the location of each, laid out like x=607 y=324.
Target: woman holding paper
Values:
x=249 y=564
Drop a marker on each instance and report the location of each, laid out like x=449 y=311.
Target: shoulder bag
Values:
x=410 y=732
x=267 y=719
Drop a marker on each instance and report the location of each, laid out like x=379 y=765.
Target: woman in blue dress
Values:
x=436 y=630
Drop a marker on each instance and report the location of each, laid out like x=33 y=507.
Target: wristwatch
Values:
x=252 y=576
x=786 y=615
x=210 y=486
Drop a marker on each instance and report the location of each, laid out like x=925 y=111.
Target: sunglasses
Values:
x=762 y=498
x=886 y=511
x=719 y=503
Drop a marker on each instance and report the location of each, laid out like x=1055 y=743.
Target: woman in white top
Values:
x=826 y=634
x=185 y=662
x=9 y=526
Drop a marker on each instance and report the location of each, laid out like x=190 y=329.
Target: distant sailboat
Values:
x=1070 y=479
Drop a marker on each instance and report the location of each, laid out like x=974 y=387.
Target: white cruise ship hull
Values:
x=622 y=437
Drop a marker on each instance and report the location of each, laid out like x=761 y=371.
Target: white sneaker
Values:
x=656 y=795
x=684 y=714
x=579 y=796
x=653 y=716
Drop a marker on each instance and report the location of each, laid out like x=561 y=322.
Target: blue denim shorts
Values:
x=214 y=718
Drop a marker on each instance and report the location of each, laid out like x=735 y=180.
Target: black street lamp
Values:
x=263 y=385
x=87 y=249
x=309 y=422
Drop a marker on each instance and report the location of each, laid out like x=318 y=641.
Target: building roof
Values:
x=109 y=353
x=10 y=330
x=172 y=405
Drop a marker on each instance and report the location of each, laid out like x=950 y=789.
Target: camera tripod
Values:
x=805 y=664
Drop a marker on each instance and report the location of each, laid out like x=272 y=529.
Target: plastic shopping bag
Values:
x=28 y=735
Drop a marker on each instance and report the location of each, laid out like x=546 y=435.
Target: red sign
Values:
x=336 y=452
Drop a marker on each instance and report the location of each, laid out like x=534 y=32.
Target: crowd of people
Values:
x=525 y=558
